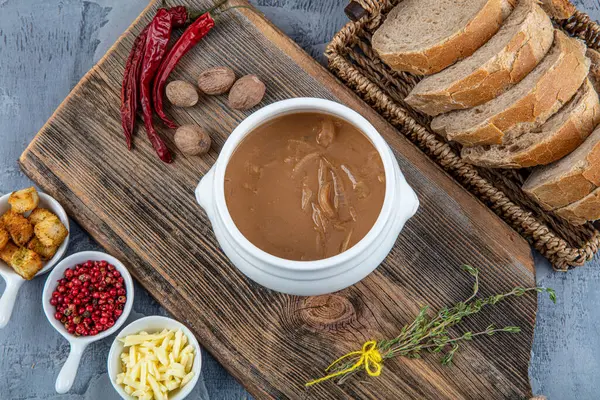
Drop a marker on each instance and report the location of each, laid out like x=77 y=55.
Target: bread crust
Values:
x=39 y=214
x=582 y=179
x=24 y=200
x=560 y=191
x=18 y=227
x=553 y=89
x=460 y=45
x=582 y=211
x=26 y=263
x=559 y=9
x=45 y=252
x=580 y=122
x=4 y=236
x=8 y=251
x=519 y=56
x=51 y=232
x=594 y=57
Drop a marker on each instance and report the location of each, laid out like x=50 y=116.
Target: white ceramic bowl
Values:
x=14 y=280
x=308 y=277
x=152 y=324
x=67 y=374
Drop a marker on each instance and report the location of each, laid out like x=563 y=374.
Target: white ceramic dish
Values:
x=14 y=280
x=152 y=324
x=67 y=374
x=308 y=277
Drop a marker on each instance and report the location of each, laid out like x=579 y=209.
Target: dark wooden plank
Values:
x=144 y=212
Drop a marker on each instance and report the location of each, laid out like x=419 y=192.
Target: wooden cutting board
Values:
x=144 y=212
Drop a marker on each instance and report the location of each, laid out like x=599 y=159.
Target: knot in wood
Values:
x=327 y=311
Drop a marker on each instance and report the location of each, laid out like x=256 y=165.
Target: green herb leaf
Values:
x=447 y=359
x=472 y=271
x=431 y=333
x=552 y=294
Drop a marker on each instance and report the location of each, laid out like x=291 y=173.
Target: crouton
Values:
x=50 y=231
x=39 y=214
x=26 y=263
x=24 y=200
x=18 y=227
x=4 y=217
x=46 y=252
x=4 y=236
x=7 y=252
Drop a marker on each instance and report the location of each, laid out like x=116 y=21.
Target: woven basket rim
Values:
x=543 y=236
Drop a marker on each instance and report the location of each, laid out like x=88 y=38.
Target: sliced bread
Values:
x=426 y=36
x=559 y=136
x=527 y=105
x=594 y=57
x=504 y=60
x=582 y=211
x=559 y=9
x=569 y=179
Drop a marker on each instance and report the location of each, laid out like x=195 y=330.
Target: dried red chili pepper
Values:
x=131 y=76
x=192 y=35
x=129 y=90
x=157 y=40
x=180 y=15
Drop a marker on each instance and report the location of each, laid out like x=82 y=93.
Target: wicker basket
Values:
x=353 y=60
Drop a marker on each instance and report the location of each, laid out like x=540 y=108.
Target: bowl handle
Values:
x=7 y=301
x=67 y=374
x=412 y=201
x=204 y=191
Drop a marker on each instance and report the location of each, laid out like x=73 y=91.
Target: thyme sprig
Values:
x=431 y=333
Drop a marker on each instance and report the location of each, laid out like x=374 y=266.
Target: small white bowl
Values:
x=153 y=324
x=14 y=280
x=67 y=374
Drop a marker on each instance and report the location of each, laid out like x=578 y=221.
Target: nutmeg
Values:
x=192 y=140
x=246 y=92
x=181 y=94
x=216 y=80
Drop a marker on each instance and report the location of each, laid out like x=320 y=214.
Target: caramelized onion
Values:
x=346 y=241
x=325 y=201
x=326 y=134
x=304 y=162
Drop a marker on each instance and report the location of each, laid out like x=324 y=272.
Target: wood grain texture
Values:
x=144 y=212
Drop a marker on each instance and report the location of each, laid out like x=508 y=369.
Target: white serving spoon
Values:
x=67 y=374
x=14 y=280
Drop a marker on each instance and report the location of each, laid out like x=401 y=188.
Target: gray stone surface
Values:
x=47 y=46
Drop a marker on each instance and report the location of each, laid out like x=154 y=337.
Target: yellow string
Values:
x=369 y=357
